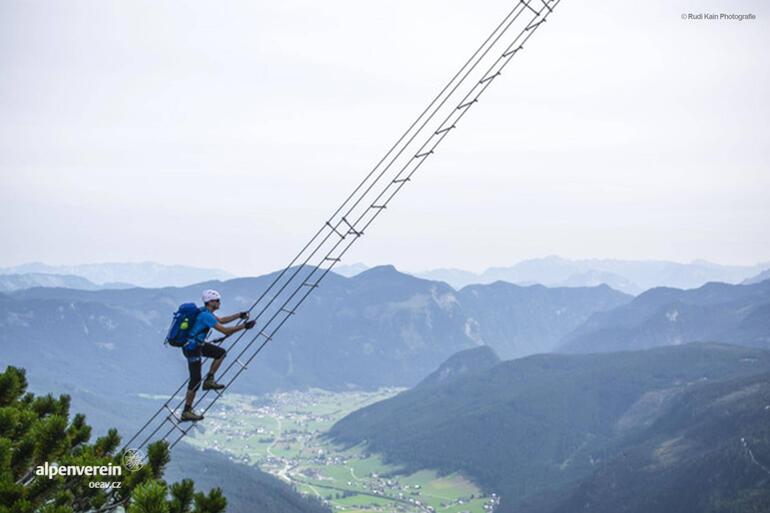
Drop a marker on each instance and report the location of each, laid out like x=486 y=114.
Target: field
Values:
x=282 y=433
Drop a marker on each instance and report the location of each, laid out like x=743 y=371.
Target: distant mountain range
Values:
x=379 y=328
x=764 y=275
x=122 y=275
x=348 y=271
x=14 y=282
x=629 y=276
x=673 y=429
x=735 y=314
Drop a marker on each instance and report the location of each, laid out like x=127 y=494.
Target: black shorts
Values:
x=206 y=350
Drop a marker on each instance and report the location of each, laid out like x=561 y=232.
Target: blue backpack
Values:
x=184 y=319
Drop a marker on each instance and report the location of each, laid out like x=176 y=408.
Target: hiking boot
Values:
x=189 y=415
x=211 y=384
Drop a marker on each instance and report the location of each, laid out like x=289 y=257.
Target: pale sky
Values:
x=222 y=134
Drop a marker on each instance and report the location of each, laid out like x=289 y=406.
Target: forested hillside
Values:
x=716 y=312
x=535 y=426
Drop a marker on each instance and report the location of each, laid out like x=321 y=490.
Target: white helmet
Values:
x=210 y=295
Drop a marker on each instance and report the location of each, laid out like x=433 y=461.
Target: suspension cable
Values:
x=336 y=232
x=315 y=237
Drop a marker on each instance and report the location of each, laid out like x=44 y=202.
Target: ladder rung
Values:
x=401 y=180
x=491 y=77
x=530 y=27
x=239 y=362
x=263 y=334
x=290 y=312
x=380 y=207
x=529 y=7
x=311 y=285
x=447 y=129
x=421 y=155
x=467 y=104
x=332 y=259
x=545 y=4
x=511 y=52
x=352 y=229
x=172 y=418
x=334 y=229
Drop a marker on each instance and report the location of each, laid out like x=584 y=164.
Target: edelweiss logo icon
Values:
x=133 y=460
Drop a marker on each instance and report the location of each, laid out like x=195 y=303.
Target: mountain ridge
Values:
x=537 y=426
x=716 y=312
x=629 y=276
x=138 y=274
x=380 y=328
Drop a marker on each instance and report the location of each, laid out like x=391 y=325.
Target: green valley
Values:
x=282 y=433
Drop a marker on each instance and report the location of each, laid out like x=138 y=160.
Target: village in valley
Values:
x=282 y=434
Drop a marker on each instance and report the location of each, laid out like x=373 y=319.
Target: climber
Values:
x=197 y=347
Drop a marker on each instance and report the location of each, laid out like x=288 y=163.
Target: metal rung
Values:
x=311 y=285
x=263 y=334
x=381 y=207
x=180 y=429
x=333 y=259
x=170 y=410
x=290 y=312
x=545 y=4
x=420 y=155
x=352 y=228
x=401 y=180
x=334 y=229
x=529 y=7
x=173 y=419
x=490 y=78
x=530 y=27
x=447 y=129
x=511 y=52
x=467 y=104
x=239 y=362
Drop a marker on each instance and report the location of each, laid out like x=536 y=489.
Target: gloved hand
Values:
x=243 y=315
x=249 y=324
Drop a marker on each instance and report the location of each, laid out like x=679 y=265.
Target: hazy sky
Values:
x=224 y=133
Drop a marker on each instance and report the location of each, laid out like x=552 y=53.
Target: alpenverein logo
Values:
x=52 y=470
x=133 y=460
